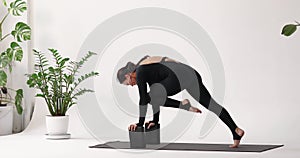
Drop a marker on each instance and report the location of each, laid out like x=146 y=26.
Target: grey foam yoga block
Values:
x=153 y=134
x=137 y=138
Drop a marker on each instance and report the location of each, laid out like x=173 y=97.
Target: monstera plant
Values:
x=12 y=37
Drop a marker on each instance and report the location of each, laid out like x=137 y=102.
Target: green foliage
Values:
x=21 y=32
x=289 y=29
x=58 y=83
x=5 y=59
x=18 y=100
x=17 y=51
x=6 y=98
x=3 y=78
x=4 y=3
x=17 y=7
x=14 y=53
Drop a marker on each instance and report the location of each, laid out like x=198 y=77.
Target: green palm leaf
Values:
x=17 y=7
x=82 y=91
x=84 y=77
x=22 y=32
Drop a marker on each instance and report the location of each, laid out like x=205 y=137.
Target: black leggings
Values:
x=171 y=86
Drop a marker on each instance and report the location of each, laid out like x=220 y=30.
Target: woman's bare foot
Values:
x=192 y=109
x=236 y=143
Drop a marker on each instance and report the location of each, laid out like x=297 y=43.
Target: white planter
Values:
x=57 y=125
x=6 y=120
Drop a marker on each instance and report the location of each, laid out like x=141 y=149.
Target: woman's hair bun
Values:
x=129 y=68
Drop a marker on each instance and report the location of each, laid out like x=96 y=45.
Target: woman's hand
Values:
x=132 y=127
x=150 y=124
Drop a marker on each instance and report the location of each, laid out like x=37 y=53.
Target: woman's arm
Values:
x=144 y=97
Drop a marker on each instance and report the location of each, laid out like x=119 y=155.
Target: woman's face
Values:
x=130 y=79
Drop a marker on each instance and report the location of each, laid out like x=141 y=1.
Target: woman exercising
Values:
x=167 y=77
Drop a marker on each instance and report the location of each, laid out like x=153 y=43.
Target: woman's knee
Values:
x=215 y=107
x=158 y=94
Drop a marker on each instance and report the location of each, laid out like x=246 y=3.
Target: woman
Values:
x=167 y=77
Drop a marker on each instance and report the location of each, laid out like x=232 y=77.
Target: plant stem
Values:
x=61 y=91
x=4 y=18
x=55 y=99
x=68 y=101
x=5 y=36
x=41 y=69
x=1 y=26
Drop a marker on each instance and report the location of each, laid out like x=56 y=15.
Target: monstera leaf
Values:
x=3 y=78
x=17 y=7
x=14 y=53
x=17 y=51
x=18 y=100
x=22 y=32
x=5 y=58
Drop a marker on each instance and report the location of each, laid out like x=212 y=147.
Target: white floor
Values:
x=37 y=146
x=32 y=143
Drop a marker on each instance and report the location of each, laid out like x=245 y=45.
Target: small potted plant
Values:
x=58 y=85
x=9 y=54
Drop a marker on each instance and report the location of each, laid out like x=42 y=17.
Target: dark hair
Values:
x=129 y=68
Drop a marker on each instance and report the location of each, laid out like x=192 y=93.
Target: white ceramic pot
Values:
x=57 y=125
x=6 y=120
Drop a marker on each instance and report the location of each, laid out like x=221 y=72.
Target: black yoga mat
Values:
x=191 y=147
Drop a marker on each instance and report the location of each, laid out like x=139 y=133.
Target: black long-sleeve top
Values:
x=150 y=73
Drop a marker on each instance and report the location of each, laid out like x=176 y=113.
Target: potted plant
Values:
x=58 y=85
x=9 y=54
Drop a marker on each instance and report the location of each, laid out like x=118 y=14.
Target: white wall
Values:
x=261 y=66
